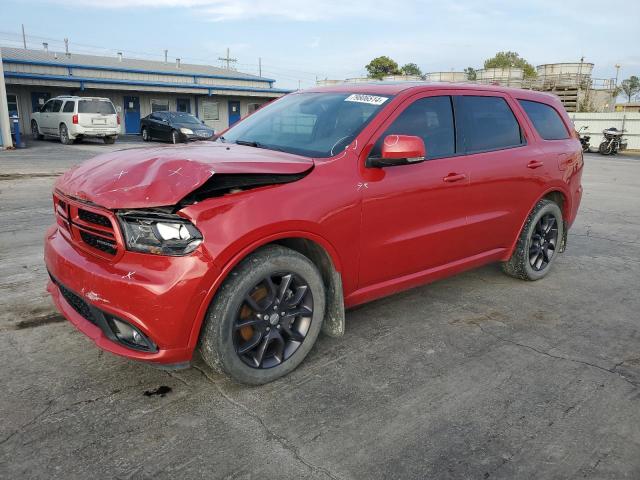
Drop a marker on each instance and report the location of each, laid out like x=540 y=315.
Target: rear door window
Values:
x=546 y=120
x=487 y=124
x=429 y=118
x=55 y=106
x=101 y=107
x=68 y=107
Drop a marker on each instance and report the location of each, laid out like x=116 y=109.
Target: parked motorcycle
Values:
x=613 y=141
x=584 y=139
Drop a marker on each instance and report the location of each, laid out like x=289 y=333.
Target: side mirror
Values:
x=399 y=150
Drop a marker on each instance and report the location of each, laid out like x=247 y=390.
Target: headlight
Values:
x=161 y=234
x=186 y=131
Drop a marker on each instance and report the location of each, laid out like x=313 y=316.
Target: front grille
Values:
x=93 y=217
x=86 y=226
x=78 y=304
x=99 y=243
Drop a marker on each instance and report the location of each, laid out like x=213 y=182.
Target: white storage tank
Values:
x=500 y=74
x=446 y=77
x=402 y=78
x=576 y=68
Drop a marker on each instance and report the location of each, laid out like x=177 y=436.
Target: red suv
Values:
x=247 y=247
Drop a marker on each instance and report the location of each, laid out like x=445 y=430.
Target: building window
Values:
x=252 y=107
x=210 y=111
x=12 y=103
x=159 y=105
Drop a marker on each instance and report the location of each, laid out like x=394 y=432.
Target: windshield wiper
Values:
x=250 y=143
x=254 y=144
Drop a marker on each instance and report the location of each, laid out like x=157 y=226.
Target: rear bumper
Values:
x=159 y=296
x=106 y=131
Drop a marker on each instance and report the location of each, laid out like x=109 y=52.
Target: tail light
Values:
x=118 y=119
x=75 y=119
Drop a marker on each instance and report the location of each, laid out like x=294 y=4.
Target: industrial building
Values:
x=571 y=82
x=136 y=87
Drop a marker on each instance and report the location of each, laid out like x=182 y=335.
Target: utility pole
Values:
x=66 y=46
x=24 y=38
x=228 y=60
x=166 y=52
x=259 y=66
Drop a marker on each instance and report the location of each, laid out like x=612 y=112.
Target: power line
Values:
x=16 y=39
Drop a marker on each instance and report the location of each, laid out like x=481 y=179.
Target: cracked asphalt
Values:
x=479 y=376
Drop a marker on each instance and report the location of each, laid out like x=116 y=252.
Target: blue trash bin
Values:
x=15 y=130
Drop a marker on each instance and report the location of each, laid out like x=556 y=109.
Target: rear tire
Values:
x=64 y=135
x=35 y=133
x=145 y=135
x=538 y=244
x=110 y=140
x=283 y=336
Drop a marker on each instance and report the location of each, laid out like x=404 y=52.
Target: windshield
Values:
x=184 y=118
x=96 y=106
x=309 y=124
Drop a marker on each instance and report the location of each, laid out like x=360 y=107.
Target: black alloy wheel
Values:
x=273 y=320
x=544 y=240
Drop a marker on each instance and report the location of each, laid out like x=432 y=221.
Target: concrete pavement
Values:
x=477 y=376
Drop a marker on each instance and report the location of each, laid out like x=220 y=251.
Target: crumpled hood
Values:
x=155 y=177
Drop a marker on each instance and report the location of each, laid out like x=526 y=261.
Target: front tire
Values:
x=175 y=137
x=35 y=132
x=145 y=135
x=605 y=148
x=265 y=318
x=538 y=244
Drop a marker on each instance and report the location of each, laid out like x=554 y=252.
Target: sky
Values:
x=300 y=40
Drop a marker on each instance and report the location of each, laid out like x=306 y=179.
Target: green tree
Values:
x=471 y=73
x=411 y=69
x=382 y=66
x=631 y=87
x=510 y=59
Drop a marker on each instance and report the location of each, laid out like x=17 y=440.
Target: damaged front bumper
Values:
x=159 y=297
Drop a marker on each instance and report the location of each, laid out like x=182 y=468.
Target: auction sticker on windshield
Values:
x=370 y=99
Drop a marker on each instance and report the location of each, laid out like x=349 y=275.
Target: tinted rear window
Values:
x=488 y=124
x=96 y=106
x=546 y=120
x=68 y=107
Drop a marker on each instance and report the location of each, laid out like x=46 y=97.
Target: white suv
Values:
x=76 y=117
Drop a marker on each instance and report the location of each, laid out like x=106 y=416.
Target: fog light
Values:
x=129 y=335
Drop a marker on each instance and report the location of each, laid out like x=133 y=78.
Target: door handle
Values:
x=454 y=177
x=535 y=164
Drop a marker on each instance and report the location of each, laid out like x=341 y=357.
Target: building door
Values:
x=234 y=112
x=131 y=115
x=38 y=99
x=183 y=105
